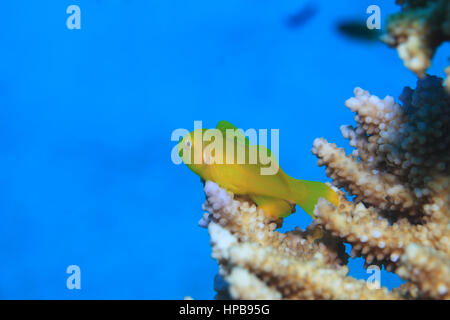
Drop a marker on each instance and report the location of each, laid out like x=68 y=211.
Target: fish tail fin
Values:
x=306 y=194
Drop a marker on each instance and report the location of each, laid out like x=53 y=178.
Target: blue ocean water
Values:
x=86 y=117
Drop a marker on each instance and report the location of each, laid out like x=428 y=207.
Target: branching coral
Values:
x=418 y=30
x=259 y=262
x=428 y=269
x=399 y=216
x=399 y=174
x=247 y=223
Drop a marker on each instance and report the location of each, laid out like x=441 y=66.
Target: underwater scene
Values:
x=238 y=149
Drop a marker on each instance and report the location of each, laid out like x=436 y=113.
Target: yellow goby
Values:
x=231 y=164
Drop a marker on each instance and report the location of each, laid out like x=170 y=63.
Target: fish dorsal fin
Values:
x=224 y=125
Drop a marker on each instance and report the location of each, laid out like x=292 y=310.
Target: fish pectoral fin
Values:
x=274 y=207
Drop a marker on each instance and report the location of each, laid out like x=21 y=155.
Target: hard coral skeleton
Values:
x=398 y=175
x=418 y=30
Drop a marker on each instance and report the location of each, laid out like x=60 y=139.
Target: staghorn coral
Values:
x=418 y=30
x=259 y=262
x=399 y=175
x=246 y=286
x=249 y=224
x=428 y=269
x=403 y=149
x=277 y=274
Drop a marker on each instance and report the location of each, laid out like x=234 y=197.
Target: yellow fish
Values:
x=235 y=165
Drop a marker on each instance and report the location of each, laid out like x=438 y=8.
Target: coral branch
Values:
x=246 y=286
x=247 y=223
x=259 y=262
x=399 y=173
x=264 y=267
x=428 y=269
x=374 y=238
x=399 y=217
x=374 y=187
x=418 y=30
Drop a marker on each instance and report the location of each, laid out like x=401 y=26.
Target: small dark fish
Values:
x=302 y=16
x=358 y=30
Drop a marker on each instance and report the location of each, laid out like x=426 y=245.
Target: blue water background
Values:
x=86 y=117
